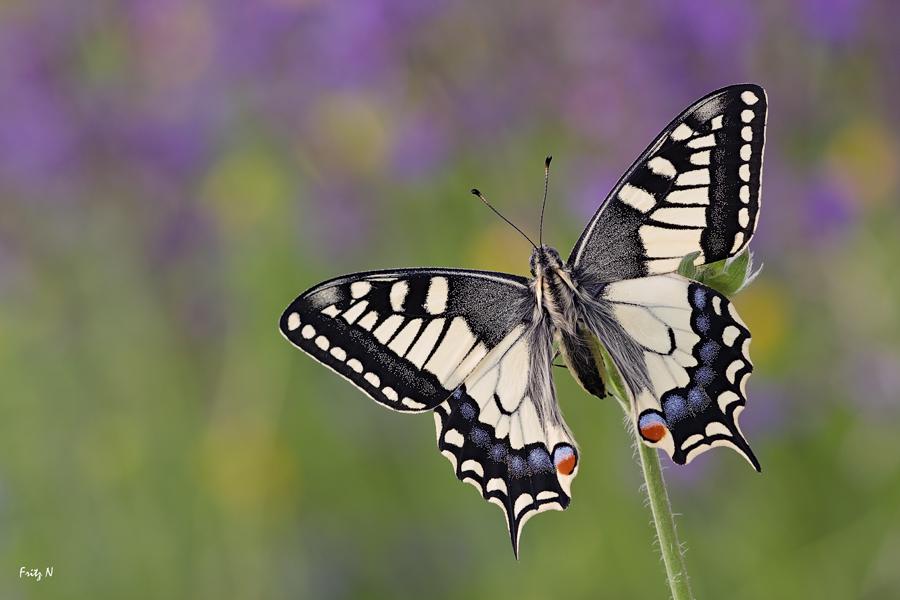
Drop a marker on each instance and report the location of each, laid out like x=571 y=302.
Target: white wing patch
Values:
x=696 y=367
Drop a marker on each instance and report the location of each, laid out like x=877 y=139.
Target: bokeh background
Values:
x=174 y=172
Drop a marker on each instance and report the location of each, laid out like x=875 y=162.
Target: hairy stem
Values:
x=656 y=492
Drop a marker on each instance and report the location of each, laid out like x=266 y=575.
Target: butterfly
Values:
x=477 y=347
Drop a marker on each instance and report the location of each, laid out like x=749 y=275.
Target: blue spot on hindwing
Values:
x=700 y=298
x=698 y=399
x=702 y=323
x=539 y=461
x=498 y=453
x=517 y=466
x=467 y=411
x=709 y=351
x=675 y=408
x=481 y=437
x=704 y=376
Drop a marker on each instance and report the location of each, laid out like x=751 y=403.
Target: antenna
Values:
x=546 y=185
x=477 y=193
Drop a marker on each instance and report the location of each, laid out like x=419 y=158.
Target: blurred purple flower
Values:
x=175 y=151
x=828 y=210
x=420 y=146
x=39 y=132
x=592 y=184
x=832 y=21
x=717 y=26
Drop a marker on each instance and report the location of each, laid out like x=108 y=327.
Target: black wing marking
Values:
x=407 y=337
x=683 y=353
x=503 y=432
x=696 y=188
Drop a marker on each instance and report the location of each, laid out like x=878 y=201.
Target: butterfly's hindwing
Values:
x=696 y=188
x=406 y=337
x=504 y=434
x=687 y=363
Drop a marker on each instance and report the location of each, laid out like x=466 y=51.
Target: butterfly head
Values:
x=544 y=259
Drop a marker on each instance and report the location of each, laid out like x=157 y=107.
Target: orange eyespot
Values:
x=566 y=465
x=653 y=427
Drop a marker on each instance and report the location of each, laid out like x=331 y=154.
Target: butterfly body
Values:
x=477 y=347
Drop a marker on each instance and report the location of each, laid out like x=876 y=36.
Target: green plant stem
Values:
x=656 y=492
x=665 y=523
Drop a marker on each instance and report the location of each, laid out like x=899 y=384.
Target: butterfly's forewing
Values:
x=464 y=344
x=406 y=337
x=694 y=189
x=683 y=353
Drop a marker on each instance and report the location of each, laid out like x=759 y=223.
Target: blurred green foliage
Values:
x=174 y=172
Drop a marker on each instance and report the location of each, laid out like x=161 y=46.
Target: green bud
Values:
x=727 y=277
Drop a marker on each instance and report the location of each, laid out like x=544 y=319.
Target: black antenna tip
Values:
x=547 y=162
x=476 y=192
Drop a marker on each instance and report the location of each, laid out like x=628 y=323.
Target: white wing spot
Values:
x=322 y=342
x=744 y=217
x=454 y=347
x=716 y=428
x=474 y=466
x=744 y=194
x=436 y=300
x=662 y=167
x=749 y=98
x=744 y=172
x=331 y=311
x=692 y=178
x=692 y=216
x=691 y=441
x=702 y=142
x=747 y=133
x=398 y=295
x=423 y=346
x=496 y=484
x=414 y=405
x=368 y=321
x=733 y=368
x=746 y=115
x=293 y=321
x=717 y=305
x=637 y=198
x=308 y=331
x=358 y=289
x=522 y=502
x=700 y=158
x=454 y=437
x=355 y=365
x=547 y=495
x=717 y=122
x=698 y=195
x=738 y=242
x=746 y=152
x=355 y=311
x=727 y=397
x=373 y=379
x=730 y=334
x=401 y=343
x=682 y=132
x=339 y=354
x=661 y=242
x=390 y=394
x=387 y=329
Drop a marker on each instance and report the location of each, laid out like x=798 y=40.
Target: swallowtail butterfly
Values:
x=477 y=347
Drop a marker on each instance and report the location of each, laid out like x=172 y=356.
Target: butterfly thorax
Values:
x=556 y=292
